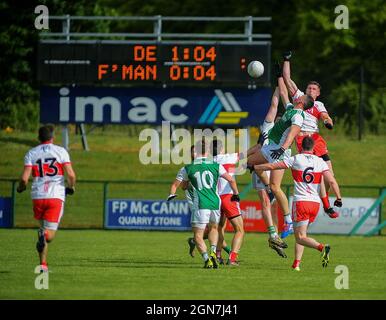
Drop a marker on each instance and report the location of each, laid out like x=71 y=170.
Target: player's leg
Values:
x=256 y=158
x=324 y=187
x=299 y=249
x=305 y=213
x=320 y=150
x=50 y=212
x=221 y=238
x=275 y=183
x=199 y=220
x=274 y=241
x=198 y=234
x=231 y=210
x=214 y=219
x=192 y=244
x=238 y=226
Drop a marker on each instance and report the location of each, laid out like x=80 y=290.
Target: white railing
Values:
x=158 y=34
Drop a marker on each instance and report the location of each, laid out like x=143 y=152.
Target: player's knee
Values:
x=299 y=236
x=49 y=235
x=238 y=227
x=275 y=187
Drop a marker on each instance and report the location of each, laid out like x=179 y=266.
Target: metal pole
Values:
x=84 y=137
x=248 y=29
x=361 y=105
x=158 y=27
x=65 y=137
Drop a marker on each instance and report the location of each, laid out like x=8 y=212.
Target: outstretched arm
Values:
x=283 y=91
x=271 y=166
x=291 y=85
x=271 y=114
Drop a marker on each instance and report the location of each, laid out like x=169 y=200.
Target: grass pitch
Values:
x=98 y=264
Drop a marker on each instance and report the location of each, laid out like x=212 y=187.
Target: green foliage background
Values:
x=321 y=52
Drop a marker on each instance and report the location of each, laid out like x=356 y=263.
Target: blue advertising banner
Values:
x=147 y=214
x=6 y=213
x=185 y=106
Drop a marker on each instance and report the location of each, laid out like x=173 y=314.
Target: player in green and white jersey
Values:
x=280 y=138
x=203 y=175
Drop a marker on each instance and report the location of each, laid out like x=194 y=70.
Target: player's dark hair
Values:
x=216 y=147
x=315 y=83
x=46 y=133
x=308 y=102
x=201 y=147
x=307 y=143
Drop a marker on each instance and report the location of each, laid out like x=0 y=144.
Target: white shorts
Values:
x=267 y=149
x=200 y=218
x=257 y=183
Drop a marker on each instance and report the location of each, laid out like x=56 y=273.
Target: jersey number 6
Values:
x=308 y=177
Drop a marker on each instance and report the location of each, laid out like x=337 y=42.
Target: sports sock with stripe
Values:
x=205 y=256
x=272 y=232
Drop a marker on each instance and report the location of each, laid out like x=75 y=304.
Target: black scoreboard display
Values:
x=169 y=64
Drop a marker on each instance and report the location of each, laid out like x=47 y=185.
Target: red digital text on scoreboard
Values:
x=145 y=62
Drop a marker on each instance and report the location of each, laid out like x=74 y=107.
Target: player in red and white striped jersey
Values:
x=307 y=171
x=229 y=209
x=310 y=125
x=47 y=163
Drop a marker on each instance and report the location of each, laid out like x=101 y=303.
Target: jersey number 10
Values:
x=202 y=179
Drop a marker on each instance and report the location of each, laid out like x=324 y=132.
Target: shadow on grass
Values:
x=169 y=264
x=132 y=263
x=27 y=142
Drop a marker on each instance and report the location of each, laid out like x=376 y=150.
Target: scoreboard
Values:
x=143 y=63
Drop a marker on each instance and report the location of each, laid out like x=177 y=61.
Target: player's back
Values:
x=281 y=128
x=307 y=170
x=228 y=161
x=47 y=161
x=204 y=174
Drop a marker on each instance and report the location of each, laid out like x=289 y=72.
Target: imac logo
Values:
x=141 y=109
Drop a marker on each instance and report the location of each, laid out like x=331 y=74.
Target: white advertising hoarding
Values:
x=353 y=209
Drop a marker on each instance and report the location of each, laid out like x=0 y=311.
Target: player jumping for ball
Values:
x=307 y=171
x=274 y=240
x=280 y=138
x=47 y=163
x=310 y=126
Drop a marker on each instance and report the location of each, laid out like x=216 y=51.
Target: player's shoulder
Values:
x=320 y=106
x=34 y=150
x=59 y=148
x=320 y=161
